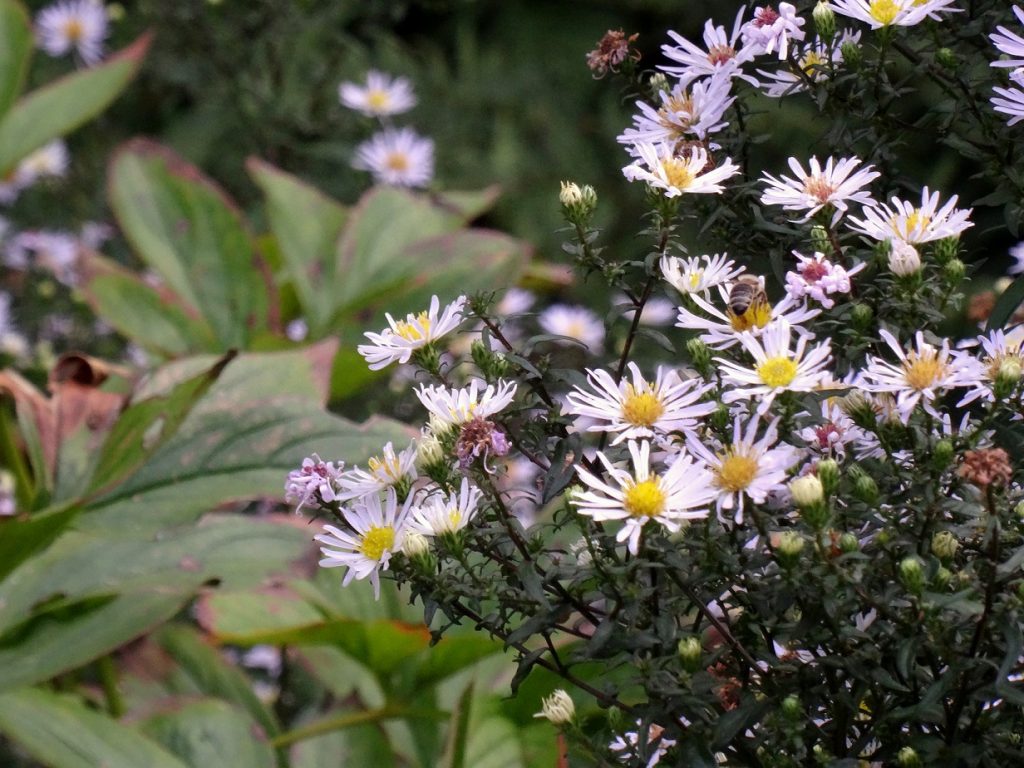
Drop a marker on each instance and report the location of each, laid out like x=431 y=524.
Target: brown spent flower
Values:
x=980 y=307
x=612 y=50
x=986 y=466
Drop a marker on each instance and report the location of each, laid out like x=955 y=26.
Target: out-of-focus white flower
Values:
x=659 y=166
x=699 y=275
x=382 y=95
x=400 y=158
x=719 y=55
x=515 y=302
x=315 y=481
x=770 y=30
x=79 y=25
x=8 y=502
x=686 y=110
x=904 y=260
x=577 y=323
x=819 y=278
x=388 y=470
x=913 y=224
x=626 y=745
x=297 y=330
x=55 y=251
x=441 y=513
x=837 y=184
x=454 y=407
x=401 y=338
x=1017 y=253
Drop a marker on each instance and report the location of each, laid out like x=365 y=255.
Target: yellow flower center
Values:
x=378 y=100
x=397 y=161
x=777 y=371
x=923 y=370
x=376 y=541
x=695 y=277
x=411 y=331
x=673 y=106
x=677 y=173
x=883 y=11
x=818 y=187
x=454 y=518
x=385 y=468
x=736 y=472
x=74 y=30
x=917 y=221
x=758 y=315
x=641 y=409
x=811 y=61
x=645 y=499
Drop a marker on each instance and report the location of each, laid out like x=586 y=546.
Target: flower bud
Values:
x=788 y=550
x=807 y=491
x=908 y=758
x=828 y=473
x=614 y=716
x=942 y=578
x=578 y=203
x=851 y=54
x=912 y=574
x=415 y=545
x=115 y=11
x=1007 y=377
x=690 y=653
x=824 y=21
x=558 y=708
x=659 y=83
x=1019 y=510
x=1020 y=591
x=946 y=58
x=819 y=239
x=947 y=248
x=954 y=271
x=720 y=419
x=860 y=409
x=864 y=487
x=944 y=546
x=848 y=543
x=700 y=356
x=861 y=315
x=791 y=707
x=490 y=363
x=904 y=260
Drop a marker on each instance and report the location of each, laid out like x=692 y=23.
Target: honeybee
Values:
x=748 y=304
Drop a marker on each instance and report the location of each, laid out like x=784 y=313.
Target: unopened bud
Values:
x=851 y=54
x=788 y=550
x=690 y=653
x=942 y=454
x=827 y=472
x=904 y=260
x=659 y=83
x=720 y=418
x=558 y=708
x=415 y=545
x=947 y=248
x=861 y=315
x=820 y=240
x=954 y=271
x=1007 y=377
x=908 y=758
x=700 y=356
x=942 y=578
x=429 y=451
x=860 y=409
x=115 y=11
x=864 y=487
x=490 y=363
x=807 y=491
x=578 y=203
x=848 y=543
x=944 y=546
x=912 y=574
x=791 y=707
x=946 y=58
x=1019 y=510
x=824 y=21
x=614 y=716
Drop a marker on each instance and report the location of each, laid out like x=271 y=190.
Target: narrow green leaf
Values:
x=1008 y=302
x=15 y=51
x=212 y=733
x=22 y=537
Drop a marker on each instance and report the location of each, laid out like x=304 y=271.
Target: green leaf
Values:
x=214 y=676
x=15 y=51
x=1006 y=305
x=306 y=224
x=61 y=732
x=65 y=104
x=469 y=205
x=184 y=227
x=22 y=537
x=212 y=733
x=355 y=746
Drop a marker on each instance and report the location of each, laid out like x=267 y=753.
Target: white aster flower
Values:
x=382 y=95
x=888 y=13
x=921 y=375
x=1009 y=101
x=721 y=330
x=515 y=302
x=376 y=531
x=54 y=250
x=746 y=468
x=813 y=59
x=626 y=745
x=316 y=480
x=401 y=338
x=1017 y=254
x=817 y=277
x=673 y=174
x=686 y=110
x=577 y=323
x=776 y=369
x=830 y=435
x=699 y=274
x=770 y=31
x=389 y=470
x=401 y=158
x=837 y=184
x=454 y=407
x=1010 y=43
x=682 y=492
x=441 y=513
x=998 y=347
x=79 y=25
x=913 y=224
x=719 y=55
x=635 y=407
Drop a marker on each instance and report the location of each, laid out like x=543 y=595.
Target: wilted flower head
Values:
x=611 y=52
x=480 y=439
x=315 y=481
x=986 y=466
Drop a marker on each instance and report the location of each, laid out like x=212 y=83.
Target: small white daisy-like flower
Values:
x=441 y=513
x=577 y=323
x=746 y=468
x=1010 y=43
x=455 y=407
x=913 y=224
x=699 y=274
x=626 y=745
x=889 y=13
x=50 y=160
x=78 y=25
x=998 y=346
x=56 y=251
x=635 y=407
x=817 y=277
x=382 y=95
x=776 y=369
x=1009 y=101
x=830 y=434
x=921 y=375
x=719 y=55
x=401 y=158
x=721 y=330
x=673 y=174
x=377 y=529
x=389 y=470
x=770 y=30
x=401 y=338
x=813 y=60
x=1017 y=254
x=682 y=492
x=686 y=110
x=316 y=480
x=837 y=184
